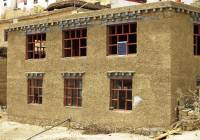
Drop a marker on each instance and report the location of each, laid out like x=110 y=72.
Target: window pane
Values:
x=72 y=33
x=126 y=28
x=132 y=49
x=66 y=34
x=114 y=104
x=113 y=49
x=84 y=33
x=78 y=33
x=30 y=47
x=113 y=40
x=132 y=38
x=67 y=53
x=129 y=95
x=196 y=29
x=133 y=27
x=121 y=99
x=112 y=30
x=83 y=52
x=127 y=84
x=75 y=47
x=198 y=45
x=115 y=94
x=83 y=42
x=117 y=84
x=123 y=38
x=79 y=102
x=67 y=44
x=119 y=29
x=129 y=105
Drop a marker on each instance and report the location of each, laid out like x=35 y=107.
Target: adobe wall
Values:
x=185 y=66
x=151 y=80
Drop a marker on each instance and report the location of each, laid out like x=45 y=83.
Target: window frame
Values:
x=123 y=90
x=34 y=47
x=31 y=87
x=195 y=40
x=78 y=99
x=127 y=33
x=64 y=48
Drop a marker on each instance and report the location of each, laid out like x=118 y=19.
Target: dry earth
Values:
x=17 y=131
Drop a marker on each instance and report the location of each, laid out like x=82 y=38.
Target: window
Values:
x=3 y=52
x=35 y=90
x=196 y=39
x=72 y=92
x=5 y=35
x=121 y=94
x=5 y=4
x=122 y=39
x=75 y=42
x=35 y=1
x=36 y=46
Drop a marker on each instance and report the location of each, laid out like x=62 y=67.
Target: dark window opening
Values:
x=122 y=33
x=5 y=35
x=5 y=4
x=3 y=52
x=36 y=46
x=196 y=39
x=35 y=90
x=75 y=43
x=73 y=92
x=121 y=94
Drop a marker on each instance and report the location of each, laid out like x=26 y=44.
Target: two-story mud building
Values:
x=123 y=67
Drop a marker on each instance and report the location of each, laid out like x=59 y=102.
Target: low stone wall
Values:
x=190 y=119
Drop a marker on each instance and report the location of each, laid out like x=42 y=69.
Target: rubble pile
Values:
x=189 y=111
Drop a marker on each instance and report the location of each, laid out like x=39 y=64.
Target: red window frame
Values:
x=121 y=96
x=75 y=42
x=119 y=33
x=197 y=39
x=73 y=92
x=35 y=48
x=35 y=90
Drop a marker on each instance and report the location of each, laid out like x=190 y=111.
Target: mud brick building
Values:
x=123 y=67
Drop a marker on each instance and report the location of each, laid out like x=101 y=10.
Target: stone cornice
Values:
x=109 y=16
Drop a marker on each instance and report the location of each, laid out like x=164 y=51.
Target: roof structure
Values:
x=77 y=3
x=106 y=16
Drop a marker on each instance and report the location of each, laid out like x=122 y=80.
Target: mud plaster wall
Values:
x=151 y=80
x=185 y=66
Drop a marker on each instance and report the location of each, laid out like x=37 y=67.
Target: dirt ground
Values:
x=17 y=131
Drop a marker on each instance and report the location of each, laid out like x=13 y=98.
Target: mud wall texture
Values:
x=163 y=65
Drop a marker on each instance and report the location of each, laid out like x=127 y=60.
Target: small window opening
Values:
x=36 y=45
x=75 y=43
x=5 y=35
x=196 y=40
x=121 y=94
x=35 y=90
x=122 y=33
